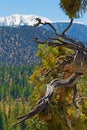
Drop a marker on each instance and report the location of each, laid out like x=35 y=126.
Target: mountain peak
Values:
x=17 y=20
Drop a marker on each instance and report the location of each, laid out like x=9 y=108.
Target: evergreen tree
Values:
x=74 y=8
x=2 y=121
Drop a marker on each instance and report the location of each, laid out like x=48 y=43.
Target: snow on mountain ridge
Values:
x=16 y=20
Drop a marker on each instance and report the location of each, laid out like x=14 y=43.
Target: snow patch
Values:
x=17 y=19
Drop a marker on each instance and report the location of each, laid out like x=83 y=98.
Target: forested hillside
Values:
x=14 y=82
x=17 y=45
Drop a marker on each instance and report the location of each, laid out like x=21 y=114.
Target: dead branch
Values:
x=46 y=23
x=44 y=101
x=70 y=24
x=62 y=35
x=39 y=108
x=57 y=43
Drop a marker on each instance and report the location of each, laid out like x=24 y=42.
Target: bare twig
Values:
x=46 y=23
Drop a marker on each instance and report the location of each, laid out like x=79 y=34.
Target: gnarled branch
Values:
x=65 y=39
x=80 y=52
x=44 y=101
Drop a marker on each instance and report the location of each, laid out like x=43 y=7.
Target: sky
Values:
x=46 y=8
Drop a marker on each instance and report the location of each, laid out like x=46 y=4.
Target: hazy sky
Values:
x=46 y=8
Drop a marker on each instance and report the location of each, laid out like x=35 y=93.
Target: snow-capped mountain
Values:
x=17 y=45
x=16 y=20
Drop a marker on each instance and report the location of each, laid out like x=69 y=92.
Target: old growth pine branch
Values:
x=80 y=68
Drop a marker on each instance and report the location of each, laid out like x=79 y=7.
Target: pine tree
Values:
x=74 y=8
x=2 y=121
